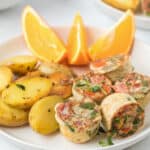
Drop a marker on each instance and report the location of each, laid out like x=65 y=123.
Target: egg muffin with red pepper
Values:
x=79 y=121
x=114 y=68
x=93 y=86
x=137 y=85
x=121 y=114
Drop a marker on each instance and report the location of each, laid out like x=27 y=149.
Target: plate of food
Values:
x=75 y=87
x=115 y=8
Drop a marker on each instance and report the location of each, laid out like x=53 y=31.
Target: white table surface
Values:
x=60 y=12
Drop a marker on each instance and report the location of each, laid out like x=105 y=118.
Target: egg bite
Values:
x=122 y=115
x=93 y=86
x=115 y=67
x=137 y=85
x=79 y=121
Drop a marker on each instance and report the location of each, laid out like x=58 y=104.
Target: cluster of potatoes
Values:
x=29 y=91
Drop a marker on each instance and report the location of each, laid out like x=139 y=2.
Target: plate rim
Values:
x=129 y=142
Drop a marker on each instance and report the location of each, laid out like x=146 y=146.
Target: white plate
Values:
x=141 y=20
x=4 y=4
x=25 y=137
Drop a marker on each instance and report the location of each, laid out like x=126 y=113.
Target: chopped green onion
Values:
x=89 y=133
x=87 y=105
x=106 y=142
x=95 y=88
x=103 y=143
x=93 y=114
x=117 y=120
x=113 y=132
x=109 y=139
x=136 y=121
x=70 y=127
x=126 y=118
x=20 y=86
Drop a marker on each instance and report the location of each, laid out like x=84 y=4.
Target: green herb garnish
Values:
x=106 y=142
x=126 y=117
x=95 y=88
x=109 y=139
x=136 y=121
x=81 y=83
x=117 y=120
x=87 y=105
x=70 y=127
x=20 y=86
x=89 y=133
x=130 y=132
x=93 y=114
x=113 y=132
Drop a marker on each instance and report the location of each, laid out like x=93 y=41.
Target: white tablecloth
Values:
x=60 y=12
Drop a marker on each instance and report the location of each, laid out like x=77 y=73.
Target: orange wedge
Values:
x=118 y=40
x=40 y=38
x=124 y=4
x=77 y=43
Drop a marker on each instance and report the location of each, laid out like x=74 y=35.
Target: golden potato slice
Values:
x=42 y=115
x=49 y=68
x=6 y=76
x=12 y=117
x=24 y=93
x=21 y=64
x=61 y=85
x=30 y=75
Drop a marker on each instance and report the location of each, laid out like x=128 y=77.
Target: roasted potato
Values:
x=21 y=64
x=24 y=93
x=42 y=115
x=12 y=117
x=30 y=74
x=6 y=76
x=49 y=68
x=61 y=84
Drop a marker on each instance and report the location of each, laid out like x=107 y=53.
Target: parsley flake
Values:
x=106 y=142
x=20 y=86
x=87 y=105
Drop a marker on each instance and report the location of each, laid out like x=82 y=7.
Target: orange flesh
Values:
x=77 y=43
x=118 y=40
x=41 y=39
